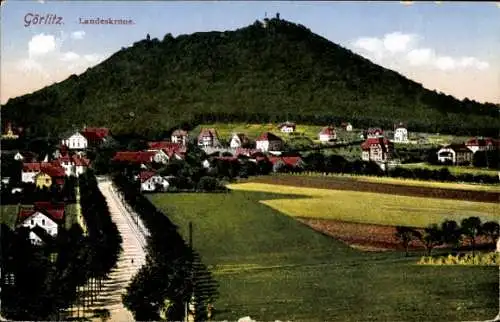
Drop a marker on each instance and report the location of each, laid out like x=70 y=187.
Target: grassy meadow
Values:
x=269 y=266
x=368 y=207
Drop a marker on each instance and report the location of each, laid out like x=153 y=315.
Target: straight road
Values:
x=131 y=259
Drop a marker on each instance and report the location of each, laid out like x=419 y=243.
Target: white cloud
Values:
x=78 y=34
x=397 y=42
x=41 y=44
x=472 y=62
x=371 y=45
x=401 y=47
x=445 y=63
x=69 y=56
x=390 y=44
x=420 y=56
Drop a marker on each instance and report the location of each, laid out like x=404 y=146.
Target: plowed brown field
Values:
x=365 y=236
x=338 y=183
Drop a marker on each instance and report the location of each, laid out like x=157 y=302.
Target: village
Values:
x=70 y=159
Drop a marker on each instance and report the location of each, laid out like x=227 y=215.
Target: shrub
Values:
x=481 y=259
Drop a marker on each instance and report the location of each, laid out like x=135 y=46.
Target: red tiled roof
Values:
x=31 y=166
x=80 y=161
x=267 y=136
x=244 y=151
x=166 y=146
x=375 y=130
x=54 y=210
x=146 y=175
x=39 y=166
x=99 y=132
x=134 y=156
x=53 y=172
x=290 y=161
x=227 y=158
x=327 y=130
x=374 y=141
x=480 y=142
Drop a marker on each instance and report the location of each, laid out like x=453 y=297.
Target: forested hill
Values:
x=258 y=73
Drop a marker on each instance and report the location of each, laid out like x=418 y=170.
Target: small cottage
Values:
x=287 y=127
x=151 y=181
x=46 y=215
x=458 y=154
x=209 y=138
x=269 y=142
x=400 y=133
x=239 y=140
x=327 y=134
x=377 y=149
x=180 y=136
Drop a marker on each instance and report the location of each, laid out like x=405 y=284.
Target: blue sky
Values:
x=445 y=46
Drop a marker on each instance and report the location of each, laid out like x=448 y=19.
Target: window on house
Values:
x=43 y=222
x=32 y=222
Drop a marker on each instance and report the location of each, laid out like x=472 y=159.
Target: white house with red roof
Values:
x=238 y=140
x=374 y=132
x=268 y=142
x=455 y=154
x=80 y=140
x=208 y=138
x=32 y=169
x=292 y=162
x=287 y=127
x=76 y=141
x=180 y=136
x=165 y=151
x=377 y=149
x=327 y=134
x=45 y=215
x=481 y=144
x=150 y=181
x=74 y=165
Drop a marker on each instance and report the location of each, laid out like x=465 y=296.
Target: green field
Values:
x=453 y=169
x=437 y=139
x=369 y=207
x=9 y=215
x=226 y=130
x=269 y=266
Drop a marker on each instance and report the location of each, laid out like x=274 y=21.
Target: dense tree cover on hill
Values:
x=173 y=271
x=255 y=74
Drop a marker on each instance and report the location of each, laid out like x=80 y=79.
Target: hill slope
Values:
x=254 y=74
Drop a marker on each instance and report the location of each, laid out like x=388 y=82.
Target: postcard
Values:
x=249 y=161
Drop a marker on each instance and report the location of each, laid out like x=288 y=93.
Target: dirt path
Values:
x=133 y=245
